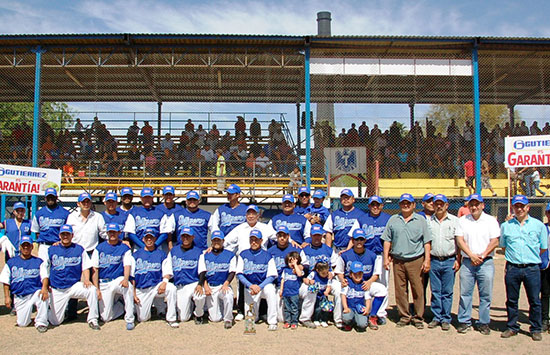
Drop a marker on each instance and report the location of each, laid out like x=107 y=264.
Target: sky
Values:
x=286 y=17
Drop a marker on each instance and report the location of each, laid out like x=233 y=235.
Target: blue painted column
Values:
x=477 y=120
x=307 y=95
x=36 y=116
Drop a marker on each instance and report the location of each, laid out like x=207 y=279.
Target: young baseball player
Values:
x=23 y=280
x=14 y=228
x=152 y=274
x=183 y=260
x=68 y=263
x=112 y=263
x=291 y=280
x=320 y=280
x=112 y=213
x=216 y=271
x=256 y=270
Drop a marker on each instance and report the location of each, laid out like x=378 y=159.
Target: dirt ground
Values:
x=157 y=337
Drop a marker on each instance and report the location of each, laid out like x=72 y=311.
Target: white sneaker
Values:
x=324 y=324
x=272 y=327
x=174 y=324
x=317 y=323
x=239 y=317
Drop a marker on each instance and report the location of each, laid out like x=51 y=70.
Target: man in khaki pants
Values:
x=407 y=242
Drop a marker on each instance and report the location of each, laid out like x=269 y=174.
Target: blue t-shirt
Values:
x=185 y=264
x=354 y=295
x=118 y=218
x=295 y=223
x=24 y=275
x=111 y=259
x=217 y=267
x=65 y=265
x=198 y=220
x=14 y=233
x=322 y=211
x=148 y=270
x=278 y=256
x=47 y=222
x=374 y=227
x=231 y=217
x=292 y=282
x=255 y=265
x=169 y=211
x=368 y=259
x=317 y=254
x=341 y=224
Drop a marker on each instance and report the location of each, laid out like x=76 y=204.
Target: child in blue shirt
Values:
x=291 y=280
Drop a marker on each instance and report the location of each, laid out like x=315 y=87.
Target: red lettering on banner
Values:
x=35 y=188
x=512 y=159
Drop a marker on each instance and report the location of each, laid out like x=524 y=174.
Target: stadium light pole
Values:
x=38 y=51
x=307 y=94
x=475 y=78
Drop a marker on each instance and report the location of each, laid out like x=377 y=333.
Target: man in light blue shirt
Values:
x=524 y=239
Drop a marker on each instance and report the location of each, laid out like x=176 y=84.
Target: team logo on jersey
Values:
x=293 y=226
x=179 y=264
x=19 y=274
x=105 y=260
x=144 y=266
x=353 y=293
x=343 y=222
x=372 y=231
x=190 y=222
x=214 y=267
x=47 y=222
x=314 y=259
x=61 y=262
x=144 y=222
x=227 y=219
x=249 y=267
x=346 y=160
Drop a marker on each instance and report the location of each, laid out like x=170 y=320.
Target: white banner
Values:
x=525 y=151
x=28 y=181
x=347 y=160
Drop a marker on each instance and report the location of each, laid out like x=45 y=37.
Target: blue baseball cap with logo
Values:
x=427 y=196
x=304 y=190
x=84 y=196
x=233 y=189
x=356 y=266
x=253 y=208
x=522 y=199
x=476 y=197
x=192 y=195
x=376 y=199
x=289 y=198
x=319 y=194
x=317 y=229
x=19 y=205
x=66 y=228
x=406 y=197
x=150 y=231
x=217 y=234
x=113 y=227
x=147 y=191
x=256 y=233
x=127 y=191
x=283 y=229
x=186 y=230
x=25 y=239
x=110 y=196
x=50 y=192
x=168 y=190
x=359 y=233
x=347 y=192
x=440 y=197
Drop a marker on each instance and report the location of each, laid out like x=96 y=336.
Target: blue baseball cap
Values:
x=304 y=190
x=356 y=266
x=347 y=192
x=18 y=205
x=150 y=231
x=283 y=229
x=440 y=197
x=110 y=196
x=84 y=196
x=319 y=194
x=66 y=228
x=427 y=196
x=406 y=197
x=126 y=191
x=288 y=197
x=113 y=227
x=253 y=208
x=50 y=191
x=476 y=197
x=168 y=190
x=186 y=230
x=217 y=234
x=192 y=195
x=256 y=233
x=376 y=199
x=520 y=199
x=147 y=191
x=359 y=233
x=25 y=239
x=233 y=189
x=317 y=229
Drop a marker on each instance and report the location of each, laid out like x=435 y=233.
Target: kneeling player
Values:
x=152 y=281
x=257 y=271
x=21 y=277
x=112 y=263
x=66 y=265
x=216 y=271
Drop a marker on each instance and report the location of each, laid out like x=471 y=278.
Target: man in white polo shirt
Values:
x=88 y=226
x=477 y=237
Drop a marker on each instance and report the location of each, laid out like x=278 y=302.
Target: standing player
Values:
x=66 y=265
x=46 y=223
x=303 y=206
x=15 y=228
x=126 y=197
x=23 y=280
x=169 y=207
x=318 y=213
x=339 y=222
x=112 y=263
x=152 y=281
x=112 y=213
x=216 y=272
x=229 y=215
x=297 y=225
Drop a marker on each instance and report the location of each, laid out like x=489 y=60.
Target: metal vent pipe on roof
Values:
x=325 y=111
x=323 y=23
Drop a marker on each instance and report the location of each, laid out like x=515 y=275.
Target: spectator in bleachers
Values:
x=226 y=140
x=534 y=129
x=167 y=164
x=68 y=172
x=238 y=159
x=255 y=128
x=167 y=143
x=295 y=180
x=469 y=174
x=255 y=148
x=133 y=133
x=111 y=163
x=48 y=144
x=187 y=156
x=240 y=126
x=150 y=162
x=272 y=128
x=209 y=157
x=201 y=136
x=78 y=128
x=87 y=148
x=95 y=126
x=262 y=164
x=363 y=132
x=213 y=137
x=250 y=163
x=147 y=134
x=184 y=140
x=46 y=159
x=546 y=128
x=286 y=158
x=189 y=126
x=133 y=158
x=278 y=137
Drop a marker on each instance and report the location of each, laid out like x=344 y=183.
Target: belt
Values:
x=522 y=265
x=46 y=243
x=486 y=258
x=105 y=280
x=443 y=258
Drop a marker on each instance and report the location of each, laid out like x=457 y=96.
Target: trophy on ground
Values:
x=249 y=320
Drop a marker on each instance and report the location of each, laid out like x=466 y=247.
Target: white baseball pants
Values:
x=185 y=296
x=108 y=308
x=148 y=295
x=23 y=306
x=60 y=298
x=309 y=299
x=269 y=293
x=218 y=304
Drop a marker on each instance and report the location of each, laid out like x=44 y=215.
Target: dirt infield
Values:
x=157 y=337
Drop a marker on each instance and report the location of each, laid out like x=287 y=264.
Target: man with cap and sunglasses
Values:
x=112 y=213
x=297 y=225
x=339 y=222
x=24 y=282
x=428 y=205
x=318 y=213
x=545 y=278
x=126 y=197
x=303 y=205
x=169 y=206
x=231 y=214
x=407 y=243
x=477 y=237
x=523 y=238
x=14 y=228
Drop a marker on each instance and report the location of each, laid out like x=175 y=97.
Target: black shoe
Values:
x=401 y=324
x=445 y=326
x=198 y=320
x=433 y=324
x=463 y=328
x=484 y=329
x=94 y=325
x=536 y=336
x=508 y=333
x=419 y=324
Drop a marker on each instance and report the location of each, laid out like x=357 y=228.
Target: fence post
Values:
x=36 y=115
x=475 y=78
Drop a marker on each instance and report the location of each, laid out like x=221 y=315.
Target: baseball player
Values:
x=14 y=228
x=340 y=222
x=112 y=213
x=317 y=213
x=112 y=263
x=303 y=206
x=23 y=280
x=229 y=215
x=152 y=281
x=47 y=221
x=298 y=226
x=67 y=263
x=126 y=197
x=321 y=282
x=183 y=259
x=256 y=270
x=169 y=207
x=216 y=272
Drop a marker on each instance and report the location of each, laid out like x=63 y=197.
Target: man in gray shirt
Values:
x=407 y=243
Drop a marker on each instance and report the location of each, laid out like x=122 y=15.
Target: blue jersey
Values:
x=295 y=223
x=278 y=256
x=15 y=233
x=255 y=265
x=299 y=210
x=322 y=211
x=231 y=217
x=24 y=275
x=198 y=220
x=314 y=255
x=374 y=227
x=119 y=218
x=124 y=211
x=368 y=258
x=148 y=270
x=340 y=225
x=321 y=283
x=169 y=211
x=65 y=265
x=111 y=260
x=355 y=295
x=47 y=222
x=292 y=282
x=145 y=218
x=185 y=265
x=218 y=267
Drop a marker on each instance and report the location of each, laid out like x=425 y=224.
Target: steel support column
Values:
x=307 y=94
x=477 y=135
x=36 y=115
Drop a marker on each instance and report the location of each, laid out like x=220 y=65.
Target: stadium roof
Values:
x=256 y=68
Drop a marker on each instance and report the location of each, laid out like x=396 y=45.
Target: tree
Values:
x=57 y=114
